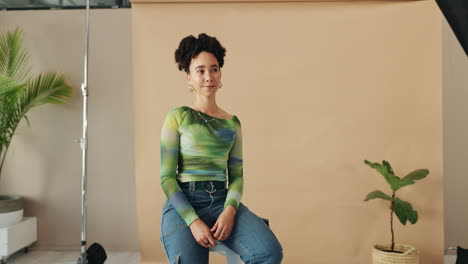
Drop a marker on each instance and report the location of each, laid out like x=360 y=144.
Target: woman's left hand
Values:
x=223 y=226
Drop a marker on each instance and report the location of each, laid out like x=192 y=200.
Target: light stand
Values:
x=84 y=144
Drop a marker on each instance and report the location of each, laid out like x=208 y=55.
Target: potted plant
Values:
x=396 y=253
x=19 y=93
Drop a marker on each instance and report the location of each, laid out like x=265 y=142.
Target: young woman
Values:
x=202 y=170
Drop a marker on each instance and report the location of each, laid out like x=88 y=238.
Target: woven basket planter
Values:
x=410 y=255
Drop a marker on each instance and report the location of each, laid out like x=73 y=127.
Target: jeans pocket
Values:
x=171 y=221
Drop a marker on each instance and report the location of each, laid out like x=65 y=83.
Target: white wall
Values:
x=455 y=83
x=44 y=163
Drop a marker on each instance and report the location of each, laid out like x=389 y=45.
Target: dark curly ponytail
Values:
x=190 y=47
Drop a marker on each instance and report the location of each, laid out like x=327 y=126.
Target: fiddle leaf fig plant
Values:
x=403 y=210
x=19 y=93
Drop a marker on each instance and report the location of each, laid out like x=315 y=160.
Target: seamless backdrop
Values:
x=318 y=87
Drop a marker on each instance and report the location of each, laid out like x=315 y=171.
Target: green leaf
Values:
x=411 y=177
x=389 y=167
x=404 y=211
x=402 y=183
x=377 y=194
x=47 y=88
x=417 y=175
x=13 y=58
x=387 y=172
x=27 y=120
x=19 y=93
x=8 y=86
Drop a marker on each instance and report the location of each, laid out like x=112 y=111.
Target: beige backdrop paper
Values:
x=318 y=87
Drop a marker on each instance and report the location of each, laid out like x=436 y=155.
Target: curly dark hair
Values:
x=190 y=47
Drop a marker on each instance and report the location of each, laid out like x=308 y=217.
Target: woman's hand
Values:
x=223 y=226
x=201 y=233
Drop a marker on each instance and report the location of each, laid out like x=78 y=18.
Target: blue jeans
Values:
x=251 y=238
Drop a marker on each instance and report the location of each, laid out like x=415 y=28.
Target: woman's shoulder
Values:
x=232 y=117
x=177 y=109
x=225 y=115
x=172 y=111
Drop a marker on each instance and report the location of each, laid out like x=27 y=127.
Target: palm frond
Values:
x=48 y=87
x=13 y=58
x=18 y=93
x=9 y=90
x=8 y=86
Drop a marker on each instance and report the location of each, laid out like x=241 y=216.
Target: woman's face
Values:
x=205 y=74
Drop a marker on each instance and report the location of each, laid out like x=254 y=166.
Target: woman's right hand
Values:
x=202 y=234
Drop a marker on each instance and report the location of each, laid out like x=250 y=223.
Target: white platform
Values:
x=450 y=259
x=18 y=236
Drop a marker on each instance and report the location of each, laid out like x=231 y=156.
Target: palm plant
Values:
x=403 y=210
x=18 y=92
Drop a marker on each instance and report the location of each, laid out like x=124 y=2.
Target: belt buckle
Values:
x=212 y=188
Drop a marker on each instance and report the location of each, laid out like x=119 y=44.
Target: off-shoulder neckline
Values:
x=233 y=116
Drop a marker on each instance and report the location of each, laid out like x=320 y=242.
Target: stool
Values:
x=231 y=256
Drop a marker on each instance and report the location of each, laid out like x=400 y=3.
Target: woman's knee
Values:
x=274 y=256
x=275 y=253
x=254 y=230
x=271 y=253
x=278 y=256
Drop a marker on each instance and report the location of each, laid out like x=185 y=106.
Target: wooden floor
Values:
x=68 y=257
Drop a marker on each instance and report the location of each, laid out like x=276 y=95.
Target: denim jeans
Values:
x=251 y=237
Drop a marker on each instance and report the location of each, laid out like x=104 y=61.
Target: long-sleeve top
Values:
x=195 y=150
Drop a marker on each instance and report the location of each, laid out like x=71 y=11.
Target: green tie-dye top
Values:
x=195 y=150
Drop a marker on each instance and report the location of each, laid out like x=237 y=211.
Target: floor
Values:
x=68 y=257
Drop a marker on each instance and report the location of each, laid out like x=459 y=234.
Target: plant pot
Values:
x=11 y=210
x=409 y=255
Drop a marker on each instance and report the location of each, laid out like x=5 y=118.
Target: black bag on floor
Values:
x=462 y=255
x=96 y=254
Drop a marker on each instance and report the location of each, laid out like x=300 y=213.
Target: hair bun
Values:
x=190 y=47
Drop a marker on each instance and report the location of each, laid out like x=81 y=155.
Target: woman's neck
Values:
x=206 y=107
